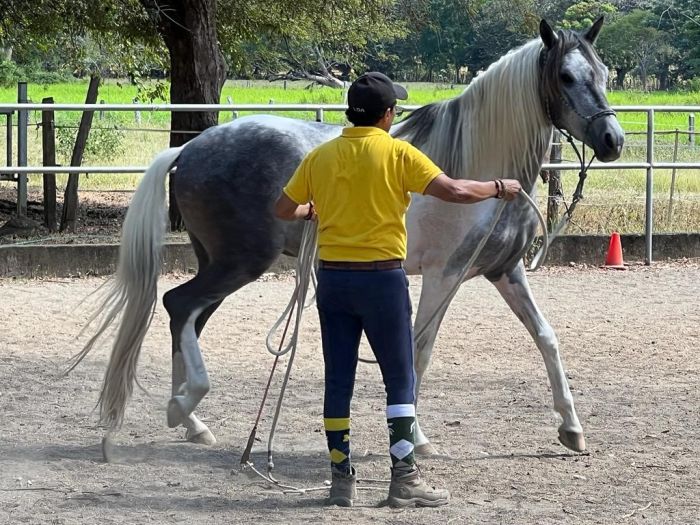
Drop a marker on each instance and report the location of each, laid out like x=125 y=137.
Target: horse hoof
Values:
x=204 y=437
x=107 y=449
x=572 y=440
x=426 y=449
x=175 y=414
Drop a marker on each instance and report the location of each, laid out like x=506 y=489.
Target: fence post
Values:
x=102 y=111
x=555 y=189
x=673 y=175
x=48 y=148
x=234 y=114
x=137 y=113
x=319 y=115
x=22 y=125
x=691 y=129
x=9 y=139
x=649 y=218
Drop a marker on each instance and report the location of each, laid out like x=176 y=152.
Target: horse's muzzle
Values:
x=607 y=138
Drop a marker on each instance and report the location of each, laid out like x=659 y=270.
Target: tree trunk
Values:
x=620 y=77
x=197 y=70
x=69 y=216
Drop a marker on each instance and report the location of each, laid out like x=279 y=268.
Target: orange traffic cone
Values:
x=614 y=257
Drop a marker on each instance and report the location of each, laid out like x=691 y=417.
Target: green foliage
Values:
x=10 y=73
x=500 y=25
x=581 y=15
x=313 y=37
x=104 y=142
x=446 y=40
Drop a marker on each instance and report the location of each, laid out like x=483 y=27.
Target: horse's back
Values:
x=229 y=177
x=251 y=152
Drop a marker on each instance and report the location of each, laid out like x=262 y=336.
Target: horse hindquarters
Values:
x=236 y=239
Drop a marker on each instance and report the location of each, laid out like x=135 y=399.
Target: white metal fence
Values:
x=19 y=172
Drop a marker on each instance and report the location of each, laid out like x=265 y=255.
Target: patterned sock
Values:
x=338 y=437
x=401 y=420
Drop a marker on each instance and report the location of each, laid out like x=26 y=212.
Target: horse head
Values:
x=573 y=80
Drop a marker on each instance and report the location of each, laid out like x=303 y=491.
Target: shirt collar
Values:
x=362 y=131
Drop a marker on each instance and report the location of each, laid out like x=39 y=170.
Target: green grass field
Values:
x=615 y=198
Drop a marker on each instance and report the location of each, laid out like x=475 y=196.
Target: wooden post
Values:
x=555 y=189
x=22 y=127
x=70 y=199
x=48 y=148
x=673 y=176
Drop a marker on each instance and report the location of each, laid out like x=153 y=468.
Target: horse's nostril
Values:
x=609 y=142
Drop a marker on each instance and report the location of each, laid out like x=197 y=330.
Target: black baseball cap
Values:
x=374 y=92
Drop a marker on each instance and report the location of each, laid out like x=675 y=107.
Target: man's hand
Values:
x=511 y=188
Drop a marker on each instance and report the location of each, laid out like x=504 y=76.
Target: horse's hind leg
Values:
x=514 y=288
x=197 y=432
x=189 y=306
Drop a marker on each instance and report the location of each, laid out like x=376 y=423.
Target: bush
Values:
x=104 y=142
x=40 y=76
x=10 y=73
x=694 y=84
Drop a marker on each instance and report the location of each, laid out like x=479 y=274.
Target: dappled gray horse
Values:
x=228 y=178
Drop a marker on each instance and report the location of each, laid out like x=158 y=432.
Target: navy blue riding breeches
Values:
x=374 y=301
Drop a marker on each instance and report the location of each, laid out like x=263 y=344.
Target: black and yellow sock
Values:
x=338 y=437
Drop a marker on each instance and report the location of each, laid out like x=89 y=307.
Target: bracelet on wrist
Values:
x=310 y=214
x=500 y=188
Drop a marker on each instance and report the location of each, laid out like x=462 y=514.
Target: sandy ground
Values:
x=630 y=341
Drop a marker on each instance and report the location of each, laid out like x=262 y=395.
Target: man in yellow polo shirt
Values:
x=358 y=186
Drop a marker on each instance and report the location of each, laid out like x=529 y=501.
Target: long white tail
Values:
x=133 y=290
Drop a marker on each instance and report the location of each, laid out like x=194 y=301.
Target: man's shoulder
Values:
x=405 y=147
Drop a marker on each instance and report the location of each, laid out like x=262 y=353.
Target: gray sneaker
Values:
x=343 y=487
x=407 y=489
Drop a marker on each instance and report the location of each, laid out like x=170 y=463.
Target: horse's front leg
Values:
x=515 y=289
x=434 y=290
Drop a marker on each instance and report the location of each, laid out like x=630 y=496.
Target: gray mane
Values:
x=498 y=127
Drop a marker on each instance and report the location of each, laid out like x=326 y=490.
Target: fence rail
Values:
x=19 y=173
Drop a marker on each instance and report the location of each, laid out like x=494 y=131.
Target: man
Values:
x=357 y=186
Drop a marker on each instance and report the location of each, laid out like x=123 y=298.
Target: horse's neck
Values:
x=496 y=128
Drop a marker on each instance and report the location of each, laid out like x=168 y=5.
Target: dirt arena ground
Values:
x=629 y=339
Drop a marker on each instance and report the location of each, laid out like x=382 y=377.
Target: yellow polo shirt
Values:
x=360 y=183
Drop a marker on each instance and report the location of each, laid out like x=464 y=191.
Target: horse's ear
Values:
x=592 y=34
x=549 y=37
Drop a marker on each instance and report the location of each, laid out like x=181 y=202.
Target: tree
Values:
x=193 y=31
x=324 y=49
x=581 y=15
x=631 y=42
x=500 y=25
x=681 y=19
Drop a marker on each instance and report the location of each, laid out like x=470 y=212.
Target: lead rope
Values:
x=304 y=275
x=305 y=265
x=569 y=209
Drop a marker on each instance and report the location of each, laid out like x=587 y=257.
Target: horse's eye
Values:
x=566 y=78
